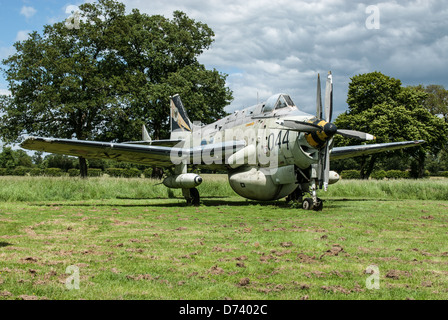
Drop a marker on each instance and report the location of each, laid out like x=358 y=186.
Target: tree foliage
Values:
x=378 y=104
x=106 y=78
x=437 y=100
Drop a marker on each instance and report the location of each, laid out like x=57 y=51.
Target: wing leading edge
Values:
x=147 y=155
x=362 y=150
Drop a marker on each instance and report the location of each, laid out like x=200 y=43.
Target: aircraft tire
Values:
x=195 y=198
x=319 y=206
x=308 y=204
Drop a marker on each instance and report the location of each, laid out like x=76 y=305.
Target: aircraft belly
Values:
x=255 y=184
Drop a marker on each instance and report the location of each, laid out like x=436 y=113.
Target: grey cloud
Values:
x=280 y=46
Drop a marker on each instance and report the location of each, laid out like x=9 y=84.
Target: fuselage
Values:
x=265 y=169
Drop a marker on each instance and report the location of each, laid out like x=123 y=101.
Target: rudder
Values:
x=179 y=117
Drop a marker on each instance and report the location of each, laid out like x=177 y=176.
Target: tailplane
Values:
x=179 y=117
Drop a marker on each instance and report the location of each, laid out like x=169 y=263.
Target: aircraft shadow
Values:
x=205 y=201
x=5 y=244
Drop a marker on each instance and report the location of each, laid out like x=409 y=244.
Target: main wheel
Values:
x=308 y=204
x=319 y=205
x=195 y=198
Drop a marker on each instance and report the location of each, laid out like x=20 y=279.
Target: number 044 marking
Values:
x=282 y=138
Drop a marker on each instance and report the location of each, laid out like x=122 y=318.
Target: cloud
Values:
x=5 y=92
x=28 y=12
x=22 y=35
x=279 y=46
x=5 y=52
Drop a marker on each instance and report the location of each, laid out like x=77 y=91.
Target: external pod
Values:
x=183 y=181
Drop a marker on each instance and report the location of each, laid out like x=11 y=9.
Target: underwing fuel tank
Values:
x=334 y=177
x=183 y=181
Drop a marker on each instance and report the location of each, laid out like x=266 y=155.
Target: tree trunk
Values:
x=367 y=166
x=83 y=167
x=421 y=164
x=157 y=173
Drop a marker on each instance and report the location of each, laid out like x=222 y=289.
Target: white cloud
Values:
x=28 y=12
x=5 y=52
x=5 y=92
x=22 y=35
x=279 y=46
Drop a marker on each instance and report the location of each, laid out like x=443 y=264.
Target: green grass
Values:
x=139 y=244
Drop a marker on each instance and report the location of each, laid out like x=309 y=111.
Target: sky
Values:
x=273 y=46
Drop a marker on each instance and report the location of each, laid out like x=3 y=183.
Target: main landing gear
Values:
x=313 y=203
x=192 y=196
x=308 y=204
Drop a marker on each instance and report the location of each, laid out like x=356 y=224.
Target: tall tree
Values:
x=437 y=100
x=378 y=104
x=108 y=75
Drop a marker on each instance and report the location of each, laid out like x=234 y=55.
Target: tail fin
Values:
x=145 y=135
x=179 y=117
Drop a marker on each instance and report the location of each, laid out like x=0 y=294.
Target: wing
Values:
x=362 y=150
x=164 y=143
x=147 y=155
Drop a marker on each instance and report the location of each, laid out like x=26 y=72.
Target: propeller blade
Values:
x=318 y=99
x=356 y=135
x=300 y=126
x=327 y=167
x=324 y=167
x=329 y=98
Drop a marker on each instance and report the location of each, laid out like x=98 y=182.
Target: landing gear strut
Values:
x=307 y=184
x=192 y=196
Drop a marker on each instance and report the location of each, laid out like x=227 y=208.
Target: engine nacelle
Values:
x=183 y=181
x=263 y=184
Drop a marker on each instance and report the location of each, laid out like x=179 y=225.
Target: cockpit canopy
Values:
x=278 y=101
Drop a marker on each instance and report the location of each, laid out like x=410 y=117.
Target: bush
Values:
x=20 y=171
x=132 y=173
x=378 y=175
x=397 y=174
x=442 y=174
x=3 y=172
x=350 y=174
x=147 y=173
x=124 y=173
x=115 y=172
x=74 y=173
x=53 y=172
x=35 y=172
x=94 y=172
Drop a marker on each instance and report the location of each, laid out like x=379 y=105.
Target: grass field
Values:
x=132 y=239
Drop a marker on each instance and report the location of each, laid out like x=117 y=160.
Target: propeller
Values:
x=321 y=131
